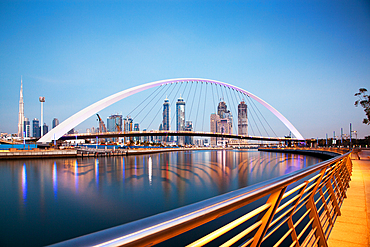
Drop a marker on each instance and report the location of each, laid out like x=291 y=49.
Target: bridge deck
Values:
x=352 y=228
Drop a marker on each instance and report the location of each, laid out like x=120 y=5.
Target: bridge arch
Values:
x=87 y=112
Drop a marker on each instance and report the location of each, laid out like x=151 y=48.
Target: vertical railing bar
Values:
x=326 y=207
x=333 y=197
x=290 y=221
x=340 y=183
x=313 y=214
x=274 y=200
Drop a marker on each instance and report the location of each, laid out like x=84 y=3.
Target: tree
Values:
x=364 y=101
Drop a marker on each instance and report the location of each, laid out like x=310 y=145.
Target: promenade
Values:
x=352 y=228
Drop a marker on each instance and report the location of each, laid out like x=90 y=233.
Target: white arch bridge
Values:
x=59 y=131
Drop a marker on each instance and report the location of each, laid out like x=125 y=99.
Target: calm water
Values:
x=47 y=201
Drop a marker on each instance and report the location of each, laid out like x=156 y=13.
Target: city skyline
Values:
x=305 y=59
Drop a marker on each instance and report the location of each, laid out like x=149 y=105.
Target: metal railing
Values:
x=297 y=209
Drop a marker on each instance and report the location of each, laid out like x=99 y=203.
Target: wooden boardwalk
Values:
x=352 y=228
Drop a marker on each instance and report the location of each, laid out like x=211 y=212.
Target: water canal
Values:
x=45 y=201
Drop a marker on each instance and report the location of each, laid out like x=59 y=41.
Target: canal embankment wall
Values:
x=319 y=153
x=74 y=153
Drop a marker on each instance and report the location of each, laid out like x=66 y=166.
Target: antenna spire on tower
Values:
x=21 y=112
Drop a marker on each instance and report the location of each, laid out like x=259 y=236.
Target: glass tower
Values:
x=180 y=119
x=36 y=130
x=166 y=116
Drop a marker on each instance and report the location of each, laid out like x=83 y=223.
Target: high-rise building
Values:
x=55 y=123
x=213 y=125
x=180 y=119
x=189 y=127
x=242 y=119
x=21 y=112
x=27 y=127
x=45 y=129
x=221 y=109
x=166 y=117
x=222 y=122
x=36 y=130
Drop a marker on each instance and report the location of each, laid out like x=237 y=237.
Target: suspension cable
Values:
x=144 y=101
x=265 y=119
x=204 y=109
x=159 y=98
x=253 y=118
x=200 y=95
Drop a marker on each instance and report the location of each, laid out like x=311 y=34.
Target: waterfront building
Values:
x=213 y=125
x=222 y=122
x=136 y=128
x=180 y=119
x=159 y=138
x=54 y=123
x=36 y=130
x=166 y=117
x=221 y=109
x=27 y=127
x=128 y=126
x=189 y=127
x=145 y=138
x=242 y=119
x=21 y=112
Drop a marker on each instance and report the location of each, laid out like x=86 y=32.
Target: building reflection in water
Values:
x=90 y=194
x=97 y=172
x=24 y=184
x=150 y=170
x=55 y=180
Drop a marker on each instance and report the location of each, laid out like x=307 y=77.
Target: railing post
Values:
x=274 y=200
x=290 y=221
x=319 y=233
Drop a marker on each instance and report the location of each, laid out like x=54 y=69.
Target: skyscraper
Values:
x=180 y=119
x=27 y=127
x=55 y=123
x=242 y=119
x=214 y=120
x=45 y=129
x=221 y=109
x=189 y=127
x=166 y=116
x=36 y=130
x=222 y=122
x=21 y=112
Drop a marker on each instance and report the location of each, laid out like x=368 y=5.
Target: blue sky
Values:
x=305 y=58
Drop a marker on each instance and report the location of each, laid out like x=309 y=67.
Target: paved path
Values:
x=352 y=228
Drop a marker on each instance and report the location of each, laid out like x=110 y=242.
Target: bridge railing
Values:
x=297 y=209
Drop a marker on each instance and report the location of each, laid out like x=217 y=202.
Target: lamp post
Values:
x=42 y=100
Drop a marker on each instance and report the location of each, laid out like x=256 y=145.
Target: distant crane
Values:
x=102 y=128
x=118 y=127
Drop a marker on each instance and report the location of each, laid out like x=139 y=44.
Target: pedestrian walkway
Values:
x=352 y=228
